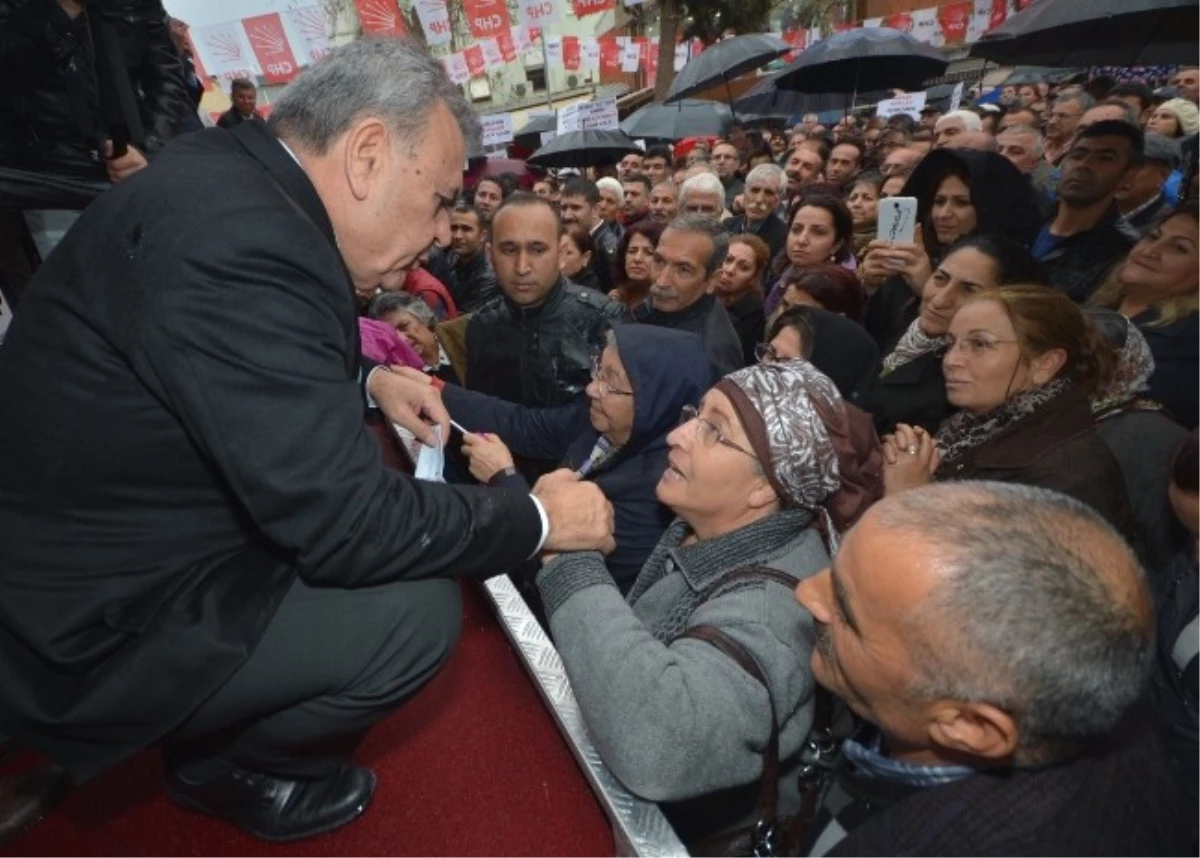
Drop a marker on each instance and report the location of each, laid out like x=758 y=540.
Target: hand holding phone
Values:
x=897 y=223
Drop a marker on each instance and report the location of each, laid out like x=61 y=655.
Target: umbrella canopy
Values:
x=583 y=149
x=862 y=59
x=1022 y=75
x=689 y=117
x=726 y=60
x=1096 y=32
x=766 y=100
x=530 y=135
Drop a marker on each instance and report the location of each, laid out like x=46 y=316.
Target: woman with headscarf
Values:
x=910 y=387
x=829 y=341
x=1141 y=437
x=615 y=436
x=959 y=192
x=1022 y=365
x=750 y=474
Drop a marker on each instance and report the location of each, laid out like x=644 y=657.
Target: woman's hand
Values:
x=487 y=454
x=906 y=259
x=910 y=459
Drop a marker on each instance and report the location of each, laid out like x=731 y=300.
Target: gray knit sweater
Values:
x=677 y=719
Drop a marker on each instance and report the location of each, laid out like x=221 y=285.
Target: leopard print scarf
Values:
x=965 y=432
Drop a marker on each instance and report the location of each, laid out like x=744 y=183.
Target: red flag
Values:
x=474 y=57
x=486 y=18
x=999 y=13
x=797 y=39
x=610 y=54
x=954 y=18
x=583 y=8
x=270 y=43
x=570 y=53
x=901 y=22
x=508 y=48
x=380 y=18
x=650 y=55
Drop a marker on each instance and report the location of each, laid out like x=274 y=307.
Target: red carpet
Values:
x=474 y=765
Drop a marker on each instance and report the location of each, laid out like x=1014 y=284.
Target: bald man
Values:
x=996 y=637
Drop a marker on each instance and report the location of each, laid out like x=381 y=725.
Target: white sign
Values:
x=497 y=129
x=589 y=53
x=588 y=116
x=925 y=26
x=539 y=13
x=554 y=56
x=456 y=68
x=435 y=21
x=910 y=103
x=492 y=57
x=681 y=55
x=631 y=55
x=956 y=96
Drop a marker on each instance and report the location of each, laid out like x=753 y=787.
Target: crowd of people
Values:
x=848 y=544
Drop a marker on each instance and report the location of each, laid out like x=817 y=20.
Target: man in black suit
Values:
x=201 y=546
x=764 y=190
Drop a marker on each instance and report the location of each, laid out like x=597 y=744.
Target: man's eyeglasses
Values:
x=707 y=431
x=602 y=382
x=766 y=353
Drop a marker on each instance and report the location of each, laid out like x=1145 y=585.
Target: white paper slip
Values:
x=431 y=461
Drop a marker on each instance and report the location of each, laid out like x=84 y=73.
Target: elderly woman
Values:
x=615 y=436
x=749 y=475
x=416 y=324
x=1158 y=289
x=633 y=265
x=862 y=199
x=738 y=285
x=1022 y=366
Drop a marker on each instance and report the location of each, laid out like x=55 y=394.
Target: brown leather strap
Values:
x=750 y=573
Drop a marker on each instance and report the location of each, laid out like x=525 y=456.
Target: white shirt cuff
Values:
x=545 y=526
x=371 y=403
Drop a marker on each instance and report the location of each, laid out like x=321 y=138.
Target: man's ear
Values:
x=366 y=152
x=977 y=730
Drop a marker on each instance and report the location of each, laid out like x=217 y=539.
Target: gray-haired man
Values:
x=765 y=187
x=220 y=561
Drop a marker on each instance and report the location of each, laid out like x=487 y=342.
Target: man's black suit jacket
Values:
x=181 y=434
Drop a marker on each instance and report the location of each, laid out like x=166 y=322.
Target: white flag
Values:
x=554 y=58
x=456 y=68
x=224 y=50
x=492 y=58
x=435 y=21
x=589 y=53
x=631 y=54
x=681 y=55
x=539 y=13
x=925 y=25
x=310 y=33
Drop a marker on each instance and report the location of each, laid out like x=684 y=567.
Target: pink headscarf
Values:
x=382 y=343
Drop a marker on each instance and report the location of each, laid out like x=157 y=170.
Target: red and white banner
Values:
x=474 y=58
x=486 y=18
x=650 y=57
x=270 y=44
x=539 y=13
x=798 y=39
x=924 y=25
x=198 y=64
x=456 y=68
x=435 y=21
x=954 y=19
x=999 y=13
x=583 y=8
x=380 y=18
x=610 y=55
x=508 y=49
x=901 y=21
x=570 y=53
x=492 y=58
x=522 y=38
x=225 y=51
x=310 y=34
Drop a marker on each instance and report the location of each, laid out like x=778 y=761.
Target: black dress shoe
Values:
x=274 y=808
x=28 y=796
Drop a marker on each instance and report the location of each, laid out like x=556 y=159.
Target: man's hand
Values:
x=581 y=518
x=73 y=8
x=487 y=454
x=124 y=166
x=413 y=404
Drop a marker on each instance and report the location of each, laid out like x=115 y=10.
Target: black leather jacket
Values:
x=50 y=118
x=471 y=281
x=539 y=356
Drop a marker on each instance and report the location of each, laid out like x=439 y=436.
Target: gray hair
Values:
x=1086 y=102
x=386 y=303
x=769 y=173
x=1039 y=142
x=970 y=119
x=392 y=79
x=702 y=225
x=1042 y=610
x=608 y=183
x=705 y=183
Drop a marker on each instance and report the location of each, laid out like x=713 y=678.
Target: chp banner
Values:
x=539 y=13
x=309 y=33
x=474 y=59
x=224 y=51
x=271 y=47
x=954 y=19
x=570 y=53
x=435 y=21
x=486 y=18
x=380 y=18
x=583 y=8
x=456 y=68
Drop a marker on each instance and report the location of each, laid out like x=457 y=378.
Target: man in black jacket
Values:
x=998 y=639
x=58 y=60
x=579 y=202
x=690 y=252
x=220 y=561
x=765 y=185
x=534 y=344
x=244 y=96
x=464 y=267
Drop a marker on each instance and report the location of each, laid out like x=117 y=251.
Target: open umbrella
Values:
x=530 y=135
x=1096 y=32
x=766 y=100
x=863 y=59
x=1022 y=75
x=583 y=149
x=689 y=117
x=724 y=61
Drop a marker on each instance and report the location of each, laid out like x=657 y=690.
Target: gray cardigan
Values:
x=678 y=719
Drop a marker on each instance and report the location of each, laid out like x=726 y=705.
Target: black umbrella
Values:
x=1096 y=32
x=766 y=100
x=583 y=149
x=689 y=117
x=1022 y=75
x=530 y=135
x=727 y=59
x=862 y=59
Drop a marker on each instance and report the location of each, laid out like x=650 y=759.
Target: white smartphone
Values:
x=897 y=220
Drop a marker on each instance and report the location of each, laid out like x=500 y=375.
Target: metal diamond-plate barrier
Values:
x=639 y=827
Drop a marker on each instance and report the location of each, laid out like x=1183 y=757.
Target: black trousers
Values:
x=331 y=664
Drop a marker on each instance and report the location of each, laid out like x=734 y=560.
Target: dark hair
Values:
x=1185 y=467
x=762 y=252
x=870 y=177
x=1119 y=128
x=240 y=83
x=1014 y=263
x=851 y=140
x=642 y=179
x=581 y=238
x=1131 y=115
x=461 y=206
x=525 y=199
x=697 y=224
x=843 y=222
x=651 y=230
x=659 y=151
x=577 y=186
x=833 y=287
x=547 y=179
x=798 y=318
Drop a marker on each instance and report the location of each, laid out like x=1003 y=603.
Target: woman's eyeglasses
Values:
x=977 y=346
x=766 y=353
x=707 y=431
x=602 y=382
